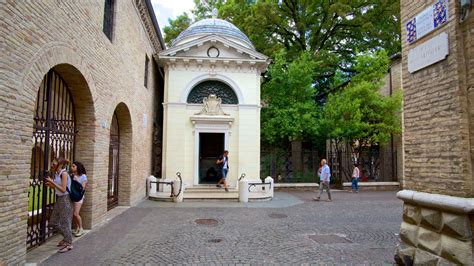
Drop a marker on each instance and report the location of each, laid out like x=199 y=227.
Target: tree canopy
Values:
x=359 y=113
x=326 y=71
x=290 y=111
x=332 y=31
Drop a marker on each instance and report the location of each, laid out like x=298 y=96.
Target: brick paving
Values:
x=356 y=229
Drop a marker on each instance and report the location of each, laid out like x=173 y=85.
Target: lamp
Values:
x=466 y=6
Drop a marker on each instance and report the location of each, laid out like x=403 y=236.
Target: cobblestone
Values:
x=153 y=234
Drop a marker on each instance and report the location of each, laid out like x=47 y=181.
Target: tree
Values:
x=176 y=26
x=332 y=31
x=289 y=112
x=359 y=115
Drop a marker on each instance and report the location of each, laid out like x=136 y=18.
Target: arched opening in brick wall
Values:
x=120 y=158
x=63 y=126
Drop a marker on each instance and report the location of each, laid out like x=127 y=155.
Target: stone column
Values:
x=438 y=137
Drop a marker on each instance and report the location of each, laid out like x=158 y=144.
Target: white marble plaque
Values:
x=424 y=22
x=428 y=53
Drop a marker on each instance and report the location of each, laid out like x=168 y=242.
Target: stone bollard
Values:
x=269 y=179
x=151 y=187
x=176 y=185
x=243 y=190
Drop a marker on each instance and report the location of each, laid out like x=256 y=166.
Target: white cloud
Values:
x=177 y=7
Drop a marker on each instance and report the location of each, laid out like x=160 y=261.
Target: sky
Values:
x=165 y=9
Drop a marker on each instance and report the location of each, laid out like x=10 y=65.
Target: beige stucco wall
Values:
x=180 y=141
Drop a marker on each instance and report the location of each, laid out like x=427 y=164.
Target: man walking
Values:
x=223 y=163
x=325 y=178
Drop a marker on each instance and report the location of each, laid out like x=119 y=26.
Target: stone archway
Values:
x=63 y=127
x=120 y=158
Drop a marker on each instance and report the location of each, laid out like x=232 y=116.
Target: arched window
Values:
x=205 y=88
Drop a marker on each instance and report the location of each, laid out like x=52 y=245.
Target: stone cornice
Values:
x=438 y=201
x=214 y=66
x=213 y=38
x=152 y=29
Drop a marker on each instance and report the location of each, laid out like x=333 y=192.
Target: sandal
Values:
x=65 y=249
x=61 y=243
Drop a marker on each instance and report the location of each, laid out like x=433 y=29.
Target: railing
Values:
x=246 y=190
x=158 y=183
x=168 y=183
x=263 y=184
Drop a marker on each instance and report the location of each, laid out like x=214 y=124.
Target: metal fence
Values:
x=280 y=166
x=374 y=166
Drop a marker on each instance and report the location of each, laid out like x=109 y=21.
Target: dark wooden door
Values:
x=211 y=146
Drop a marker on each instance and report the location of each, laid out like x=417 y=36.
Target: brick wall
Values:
x=101 y=74
x=467 y=29
x=436 y=119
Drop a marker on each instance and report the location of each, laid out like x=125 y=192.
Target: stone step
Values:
x=210 y=190
x=226 y=196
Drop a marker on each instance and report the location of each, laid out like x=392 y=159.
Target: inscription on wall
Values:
x=428 y=53
x=427 y=21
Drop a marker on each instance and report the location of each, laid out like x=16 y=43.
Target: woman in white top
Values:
x=62 y=211
x=79 y=174
x=355 y=178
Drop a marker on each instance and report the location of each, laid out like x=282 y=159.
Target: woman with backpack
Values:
x=62 y=211
x=79 y=175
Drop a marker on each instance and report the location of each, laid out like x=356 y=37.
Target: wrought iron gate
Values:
x=53 y=136
x=114 y=153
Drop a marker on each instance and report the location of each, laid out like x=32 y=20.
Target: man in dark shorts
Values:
x=223 y=163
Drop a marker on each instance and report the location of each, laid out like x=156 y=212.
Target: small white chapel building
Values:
x=211 y=103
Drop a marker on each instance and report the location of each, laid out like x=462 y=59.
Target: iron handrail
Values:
x=259 y=184
x=170 y=183
x=164 y=183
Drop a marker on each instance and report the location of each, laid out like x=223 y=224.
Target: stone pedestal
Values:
x=436 y=229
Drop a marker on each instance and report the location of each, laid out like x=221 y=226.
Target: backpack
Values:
x=76 y=193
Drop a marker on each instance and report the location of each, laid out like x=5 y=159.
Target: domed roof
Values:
x=213 y=26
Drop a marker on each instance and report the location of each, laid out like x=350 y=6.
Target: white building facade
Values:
x=211 y=103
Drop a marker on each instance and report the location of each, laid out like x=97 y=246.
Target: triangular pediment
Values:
x=212 y=47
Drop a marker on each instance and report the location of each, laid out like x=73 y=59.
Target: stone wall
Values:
x=436 y=127
x=438 y=146
x=434 y=230
x=102 y=75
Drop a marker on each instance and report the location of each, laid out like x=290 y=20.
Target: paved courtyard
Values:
x=291 y=229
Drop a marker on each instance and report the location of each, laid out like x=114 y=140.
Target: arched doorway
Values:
x=120 y=158
x=212 y=137
x=54 y=134
x=114 y=156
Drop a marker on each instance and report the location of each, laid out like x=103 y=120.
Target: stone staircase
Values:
x=210 y=193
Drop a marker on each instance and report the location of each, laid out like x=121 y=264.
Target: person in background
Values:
x=223 y=163
x=79 y=174
x=355 y=178
x=325 y=179
x=62 y=213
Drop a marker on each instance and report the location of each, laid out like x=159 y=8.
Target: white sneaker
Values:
x=79 y=232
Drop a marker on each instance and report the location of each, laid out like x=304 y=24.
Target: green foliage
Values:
x=359 y=112
x=321 y=41
x=176 y=26
x=290 y=111
x=36 y=196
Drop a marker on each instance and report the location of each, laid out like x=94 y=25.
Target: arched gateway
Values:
x=62 y=126
x=212 y=103
x=54 y=134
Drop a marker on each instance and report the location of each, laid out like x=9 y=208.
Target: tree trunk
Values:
x=297 y=156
